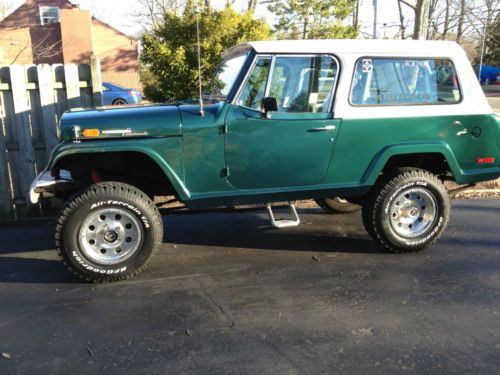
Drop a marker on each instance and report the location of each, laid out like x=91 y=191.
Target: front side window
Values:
x=49 y=15
x=225 y=76
x=393 y=81
x=255 y=87
x=300 y=84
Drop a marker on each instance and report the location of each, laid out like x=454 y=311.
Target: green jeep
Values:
x=349 y=123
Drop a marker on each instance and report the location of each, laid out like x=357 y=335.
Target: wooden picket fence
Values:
x=32 y=100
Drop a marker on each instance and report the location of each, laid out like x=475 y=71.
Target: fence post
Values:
x=47 y=103
x=72 y=81
x=95 y=72
x=22 y=124
x=6 y=209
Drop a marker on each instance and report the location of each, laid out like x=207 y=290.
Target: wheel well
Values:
x=134 y=168
x=435 y=163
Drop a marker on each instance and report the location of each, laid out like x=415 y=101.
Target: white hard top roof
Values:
x=352 y=46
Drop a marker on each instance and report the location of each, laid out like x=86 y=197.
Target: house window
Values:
x=49 y=15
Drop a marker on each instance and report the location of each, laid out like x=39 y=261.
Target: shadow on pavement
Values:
x=27 y=255
x=34 y=271
x=328 y=233
x=25 y=239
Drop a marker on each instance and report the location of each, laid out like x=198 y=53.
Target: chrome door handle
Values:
x=323 y=128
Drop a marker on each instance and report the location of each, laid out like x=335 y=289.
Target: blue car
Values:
x=116 y=95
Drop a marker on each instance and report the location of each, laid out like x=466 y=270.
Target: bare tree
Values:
x=461 y=20
x=355 y=14
x=42 y=50
x=252 y=4
x=5 y=7
x=446 y=26
x=150 y=12
x=421 y=9
x=402 y=25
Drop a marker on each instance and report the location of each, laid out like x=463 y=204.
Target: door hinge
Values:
x=225 y=172
x=223 y=129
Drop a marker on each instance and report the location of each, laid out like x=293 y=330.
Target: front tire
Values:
x=408 y=212
x=108 y=232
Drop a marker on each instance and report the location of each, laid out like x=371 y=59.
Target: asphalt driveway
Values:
x=493 y=96
x=227 y=294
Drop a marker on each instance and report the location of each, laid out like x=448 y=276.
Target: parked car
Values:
x=117 y=95
x=489 y=74
x=381 y=124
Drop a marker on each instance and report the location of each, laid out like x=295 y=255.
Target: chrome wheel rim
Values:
x=110 y=236
x=120 y=102
x=413 y=212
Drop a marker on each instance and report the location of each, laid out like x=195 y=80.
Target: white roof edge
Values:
x=357 y=46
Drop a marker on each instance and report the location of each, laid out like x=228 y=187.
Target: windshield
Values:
x=224 y=78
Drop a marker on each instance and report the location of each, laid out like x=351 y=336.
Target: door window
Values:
x=299 y=83
x=303 y=84
x=255 y=87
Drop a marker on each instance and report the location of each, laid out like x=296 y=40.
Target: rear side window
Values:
x=397 y=81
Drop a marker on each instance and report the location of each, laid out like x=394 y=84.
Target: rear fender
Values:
x=381 y=158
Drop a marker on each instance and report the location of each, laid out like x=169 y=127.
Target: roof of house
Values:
x=352 y=46
x=112 y=28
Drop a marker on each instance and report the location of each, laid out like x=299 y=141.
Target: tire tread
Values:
x=97 y=191
x=376 y=199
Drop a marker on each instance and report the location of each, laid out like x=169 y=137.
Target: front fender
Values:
x=166 y=152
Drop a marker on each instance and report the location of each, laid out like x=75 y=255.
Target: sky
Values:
x=118 y=13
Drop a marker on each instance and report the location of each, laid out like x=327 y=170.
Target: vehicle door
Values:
x=293 y=145
x=107 y=95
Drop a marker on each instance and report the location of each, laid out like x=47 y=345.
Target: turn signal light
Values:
x=91 y=133
x=488 y=160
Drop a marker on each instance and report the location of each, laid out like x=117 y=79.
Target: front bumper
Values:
x=46 y=183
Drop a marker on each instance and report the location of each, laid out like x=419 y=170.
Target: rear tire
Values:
x=407 y=212
x=337 y=205
x=108 y=232
x=120 y=102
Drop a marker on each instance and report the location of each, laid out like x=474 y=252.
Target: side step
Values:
x=284 y=223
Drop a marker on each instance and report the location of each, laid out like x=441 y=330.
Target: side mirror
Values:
x=269 y=104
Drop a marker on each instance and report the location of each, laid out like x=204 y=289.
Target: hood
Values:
x=122 y=122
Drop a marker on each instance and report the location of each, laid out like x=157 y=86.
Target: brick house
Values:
x=58 y=32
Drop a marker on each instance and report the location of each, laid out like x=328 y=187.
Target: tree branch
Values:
x=409 y=3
